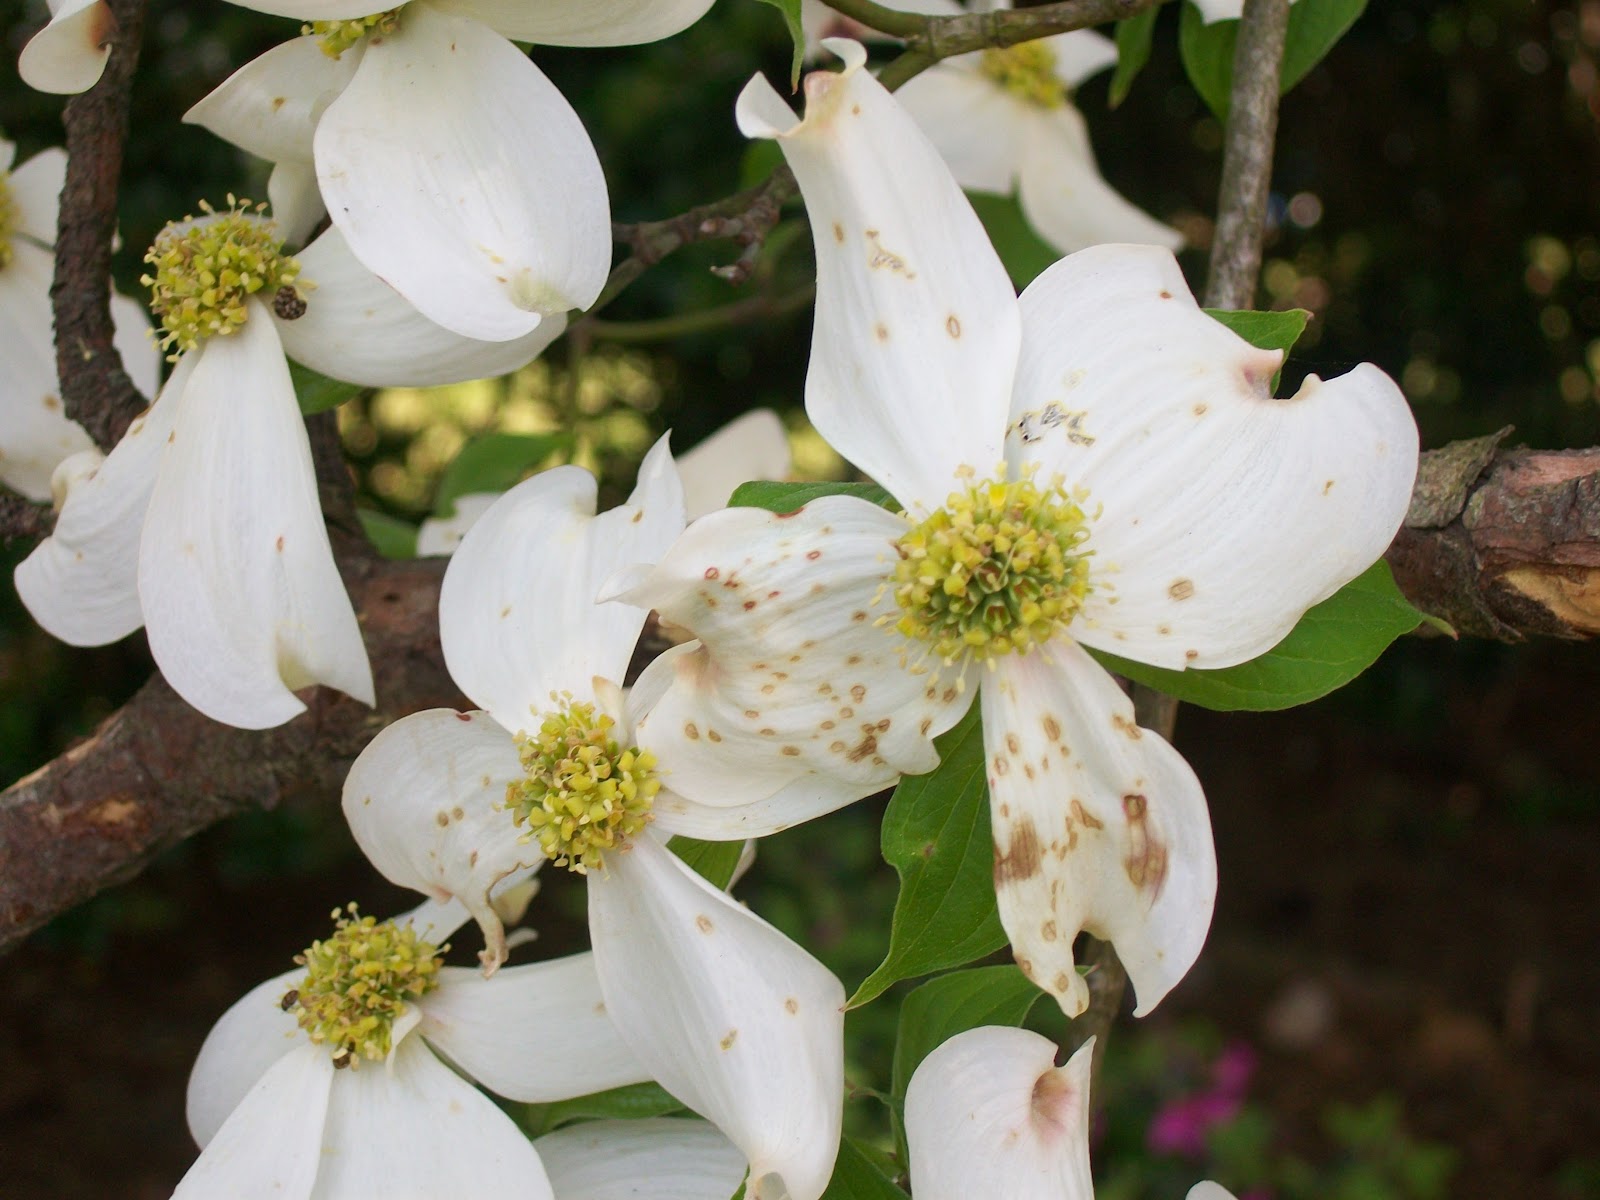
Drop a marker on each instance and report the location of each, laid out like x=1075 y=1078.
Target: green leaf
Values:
x=856 y=1177
x=634 y=1101
x=393 y=537
x=954 y=1003
x=495 y=462
x=760 y=159
x=715 y=862
x=1266 y=330
x=1024 y=253
x=317 y=393
x=1333 y=643
x=791 y=17
x=1134 y=36
x=936 y=836
x=789 y=497
x=1315 y=26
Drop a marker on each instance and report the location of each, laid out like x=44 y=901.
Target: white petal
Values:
x=270 y=1148
x=81 y=583
x=989 y=1113
x=971 y=120
x=1209 y=1191
x=1220 y=10
x=357 y=327
x=296 y=200
x=270 y=106
x=586 y=23
x=424 y=803
x=36 y=190
x=35 y=434
x=68 y=55
x=131 y=335
x=1098 y=826
x=510 y=638
x=663 y=1158
x=416 y=1129
x=241 y=597
x=537 y=1033
x=729 y=1015
x=753 y=446
x=1281 y=501
x=244 y=1043
x=309 y=10
x=1081 y=54
x=1065 y=198
x=794 y=677
x=413 y=165
x=916 y=329
x=442 y=535
x=793 y=804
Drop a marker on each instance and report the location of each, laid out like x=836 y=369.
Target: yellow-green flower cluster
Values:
x=997 y=569
x=8 y=219
x=339 y=36
x=583 y=795
x=206 y=270
x=1028 y=72
x=358 y=983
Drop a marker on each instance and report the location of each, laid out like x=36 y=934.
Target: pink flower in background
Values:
x=1181 y=1126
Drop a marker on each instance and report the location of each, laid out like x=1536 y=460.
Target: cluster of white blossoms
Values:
x=1096 y=463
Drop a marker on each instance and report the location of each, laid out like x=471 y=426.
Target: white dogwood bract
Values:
x=35 y=433
x=1098 y=463
x=69 y=54
x=657 y=1158
x=1220 y=10
x=737 y=1021
x=988 y=1113
x=405 y=137
x=277 y=1114
x=752 y=446
x=1005 y=123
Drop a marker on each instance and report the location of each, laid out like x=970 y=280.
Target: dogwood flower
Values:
x=203 y=524
x=661 y=1158
x=1098 y=463
x=69 y=54
x=1221 y=10
x=988 y=1113
x=35 y=434
x=1005 y=123
x=327 y=1081
x=455 y=170
x=753 y=446
x=729 y=1015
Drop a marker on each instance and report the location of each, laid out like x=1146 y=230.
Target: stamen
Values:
x=583 y=794
x=359 y=982
x=339 y=36
x=1028 y=72
x=8 y=219
x=997 y=570
x=206 y=270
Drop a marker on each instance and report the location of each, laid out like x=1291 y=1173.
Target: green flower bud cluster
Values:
x=1028 y=72
x=339 y=36
x=359 y=982
x=997 y=569
x=583 y=795
x=206 y=270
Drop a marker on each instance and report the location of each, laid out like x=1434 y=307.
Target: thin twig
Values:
x=705 y=320
x=95 y=390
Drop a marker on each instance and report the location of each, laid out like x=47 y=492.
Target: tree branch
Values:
x=23 y=518
x=95 y=391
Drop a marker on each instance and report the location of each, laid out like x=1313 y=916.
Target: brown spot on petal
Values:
x=791 y=1006
x=952 y=326
x=1052 y=728
x=1020 y=858
x=1127 y=728
x=838 y=232
x=712 y=572
x=869 y=745
x=691 y=731
x=1181 y=589
x=703 y=923
x=729 y=1038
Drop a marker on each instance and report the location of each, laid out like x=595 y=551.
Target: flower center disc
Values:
x=997 y=569
x=358 y=983
x=8 y=219
x=205 y=271
x=339 y=36
x=583 y=794
x=1028 y=72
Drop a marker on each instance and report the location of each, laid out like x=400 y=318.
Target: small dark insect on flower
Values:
x=290 y=999
x=342 y=1058
x=288 y=304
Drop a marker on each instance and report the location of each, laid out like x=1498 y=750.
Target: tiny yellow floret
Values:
x=359 y=982
x=999 y=569
x=206 y=270
x=1028 y=72
x=583 y=794
x=339 y=36
x=8 y=219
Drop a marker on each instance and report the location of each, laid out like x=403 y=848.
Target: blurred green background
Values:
x=1407 y=922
